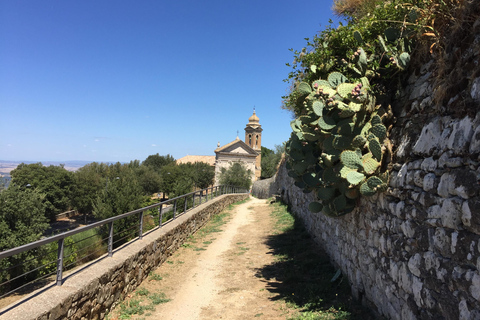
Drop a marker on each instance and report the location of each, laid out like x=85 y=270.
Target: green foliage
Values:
x=22 y=220
x=236 y=175
x=157 y=162
x=270 y=160
x=55 y=182
x=339 y=137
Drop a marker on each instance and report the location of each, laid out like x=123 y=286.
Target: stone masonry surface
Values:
x=412 y=252
x=91 y=291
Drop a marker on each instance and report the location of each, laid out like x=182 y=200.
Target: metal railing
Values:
x=165 y=211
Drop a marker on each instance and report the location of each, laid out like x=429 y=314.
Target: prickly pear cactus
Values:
x=336 y=148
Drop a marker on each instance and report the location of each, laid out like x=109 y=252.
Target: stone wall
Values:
x=413 y=252
x=89 y=293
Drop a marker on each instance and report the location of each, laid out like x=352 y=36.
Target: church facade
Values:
x=248 y=151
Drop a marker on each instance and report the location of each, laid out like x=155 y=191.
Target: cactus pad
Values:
x=354 y=177
x=380 y=131
x=344 y=90
x=335 y=79
x=358 y=36
x=359 y=141
x=326 y=123
x=370 y=165
x=315 y=207
x=325 y=194
x=351 y=159
x=317 y=107
x=403 y=60
x=366 y=190
x=340 y=203
x=304 y=88
x=376 y=120
x=375 y=148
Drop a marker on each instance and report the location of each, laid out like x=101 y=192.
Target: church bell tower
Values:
x=253 y=138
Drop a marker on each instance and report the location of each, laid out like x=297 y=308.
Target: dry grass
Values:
x=456 y=55
x=353 y=8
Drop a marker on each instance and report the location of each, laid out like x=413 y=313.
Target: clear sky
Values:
x=121 y=80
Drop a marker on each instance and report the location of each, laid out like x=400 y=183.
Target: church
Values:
x=248 y=151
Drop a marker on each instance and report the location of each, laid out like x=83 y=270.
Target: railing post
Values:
x=160 y=215
x=110 y=239
x=185 y=205
x=140 y=231
x=193 y=200
x=60 y=261
x=174 y=209
x=201 y=193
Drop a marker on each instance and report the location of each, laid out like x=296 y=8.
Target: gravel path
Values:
x=217 y=277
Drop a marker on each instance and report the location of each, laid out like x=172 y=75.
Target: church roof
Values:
x=192 y=159
x=237 y=146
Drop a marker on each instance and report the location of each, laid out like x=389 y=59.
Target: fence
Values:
x=132 y=227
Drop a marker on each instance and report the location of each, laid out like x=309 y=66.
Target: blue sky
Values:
x=120 y=80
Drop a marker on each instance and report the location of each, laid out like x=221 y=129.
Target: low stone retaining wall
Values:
x=91 y=291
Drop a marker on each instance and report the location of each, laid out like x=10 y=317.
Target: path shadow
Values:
x=302 y=274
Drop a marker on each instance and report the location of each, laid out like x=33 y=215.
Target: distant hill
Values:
x=7 y=166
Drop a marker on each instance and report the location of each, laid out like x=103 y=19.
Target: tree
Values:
x=270 y=160
x=89 y=181
x=157 y=162
x=150 y=180
x=54 y=181
x=204 y=174
x=236 y=175
x=22 y=220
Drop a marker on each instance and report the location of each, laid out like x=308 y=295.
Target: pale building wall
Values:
x=225 y=161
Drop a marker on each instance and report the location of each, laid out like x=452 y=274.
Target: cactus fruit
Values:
x=315 y=207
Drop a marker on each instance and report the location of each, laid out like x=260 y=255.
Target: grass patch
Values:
x=158 y=298
x=301 y=274
x=155 y=276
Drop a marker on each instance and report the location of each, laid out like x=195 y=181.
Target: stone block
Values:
x=429 y=164
x=451 y=213
x=429 y=139
x=430 y=182
x=462 y=132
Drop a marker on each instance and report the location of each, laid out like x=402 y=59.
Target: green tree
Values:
x=22 y=220
x=204 y=175
x=150 y=180
x=236 y=175
x=270 y=160
x=54 y=181
x=157 y=162
x=89 y=181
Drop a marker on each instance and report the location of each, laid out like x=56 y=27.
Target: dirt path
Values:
x=215 y=276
